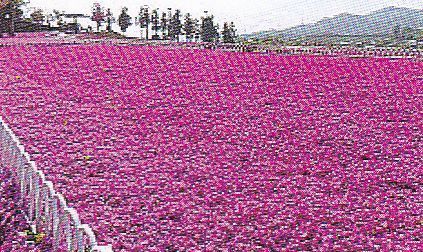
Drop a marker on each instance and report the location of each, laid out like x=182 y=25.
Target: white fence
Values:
x=45 y=209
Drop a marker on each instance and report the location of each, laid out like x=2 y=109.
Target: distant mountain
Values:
x=381 y=22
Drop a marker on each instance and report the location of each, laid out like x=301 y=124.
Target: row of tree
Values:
x=170 y=26
x=9 y=10
x=165 y=25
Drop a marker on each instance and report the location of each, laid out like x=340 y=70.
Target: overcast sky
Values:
x=248 y=15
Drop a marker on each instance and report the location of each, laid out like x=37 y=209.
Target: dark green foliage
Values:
x=164 y=24
x=9 y=14
x=98 y=15
x=209 y=31
x=175 y=26
x=109 y=20
x=37 y=17
x=144 y=19
x=155 y=21
x=229 y=33
x=189 y=26
x=124 y=19
x=226 y=33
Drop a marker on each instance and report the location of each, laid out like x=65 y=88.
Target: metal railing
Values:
x=45 y=209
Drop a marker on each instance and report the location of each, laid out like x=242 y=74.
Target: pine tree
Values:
x=109 y=19
x=144 y=19
x=164 y=25
x=217 y=34
x=169 y=21
x=155 y=22
x=226 y=33
x=233 y=32
x=189 y=27
x=209 y=31
x=175 y=27
x=124 y=19
x=197 y=29
x=98 y=15
x=9 y=12
x=37 y=18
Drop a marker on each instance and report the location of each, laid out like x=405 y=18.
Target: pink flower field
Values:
x=197 y=150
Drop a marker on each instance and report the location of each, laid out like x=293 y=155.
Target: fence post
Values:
x=38 y=204
x=67 y=220
x=84 y=228
x=36 y=193
x=60 y=203
x=49 y=206
x=73 y=216
x=2 y=148
x=31 y=193
x=41 y=204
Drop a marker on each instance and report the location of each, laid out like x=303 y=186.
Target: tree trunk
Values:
x=1 y=26
x=12 y=24
x=109 y=26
